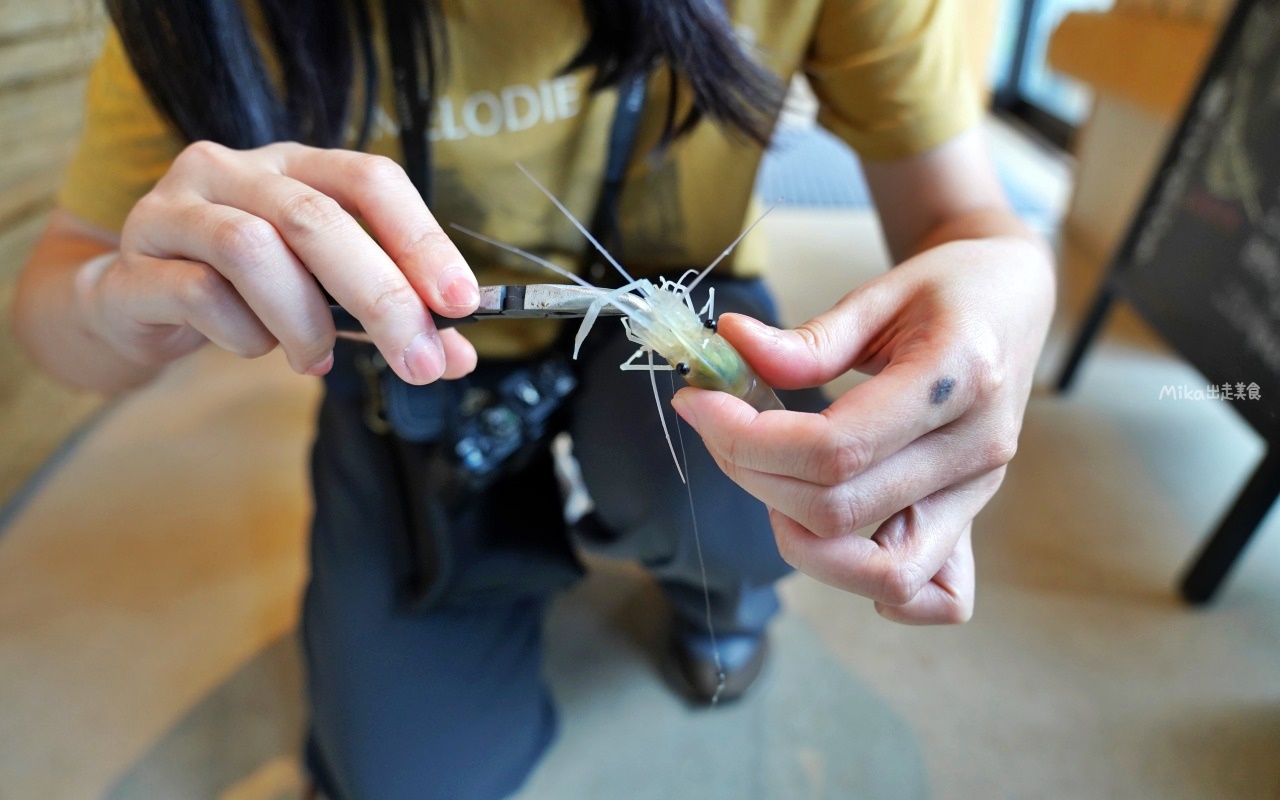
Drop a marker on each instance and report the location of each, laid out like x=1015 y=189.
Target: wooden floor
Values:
x=149 y=594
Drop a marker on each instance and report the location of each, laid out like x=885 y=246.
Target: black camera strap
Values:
x=622 y=136
x=413 y=61
x=429 y=507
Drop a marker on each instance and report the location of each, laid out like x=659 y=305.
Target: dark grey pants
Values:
x=450 y=703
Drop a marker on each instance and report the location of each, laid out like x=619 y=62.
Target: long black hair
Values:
x=202 y=68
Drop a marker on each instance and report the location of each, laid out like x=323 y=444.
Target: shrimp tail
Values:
x=589 y=319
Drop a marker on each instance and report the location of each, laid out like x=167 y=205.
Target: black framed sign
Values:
x=1203 y=263
x=1201 y=259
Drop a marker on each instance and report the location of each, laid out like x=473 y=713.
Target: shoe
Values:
x=690 y=665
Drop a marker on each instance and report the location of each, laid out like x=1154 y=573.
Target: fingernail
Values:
x=424 y=357
x=322 y=366
x=458 y=288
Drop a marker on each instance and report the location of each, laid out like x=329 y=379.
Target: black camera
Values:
x=498 y=426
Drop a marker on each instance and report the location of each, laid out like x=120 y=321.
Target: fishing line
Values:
x=682 y=463
x=697 y=544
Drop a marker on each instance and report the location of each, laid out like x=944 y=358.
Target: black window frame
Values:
x=1008 y=99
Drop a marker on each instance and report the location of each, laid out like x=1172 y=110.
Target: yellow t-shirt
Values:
x=890 y=77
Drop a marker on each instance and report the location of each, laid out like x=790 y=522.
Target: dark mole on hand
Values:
x=941 y=390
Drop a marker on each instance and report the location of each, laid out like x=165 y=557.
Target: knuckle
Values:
x=389 y=298
x=201 y=153
x=432 y=246
x=373 y=173
x=242 y=241
x=989 y=373
x=735 y=450
x=834 y=514
x=843 y=458
x=285 y=148
x=150 y=209
x=307 y=345
x=204 y=292
x=309 y=351
x=308 y=213
x=815 y=336
x=149 y=205
x=999 y=451
x=900 y=583
x=210 y=301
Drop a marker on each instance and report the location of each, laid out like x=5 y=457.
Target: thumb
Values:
x=811 y=354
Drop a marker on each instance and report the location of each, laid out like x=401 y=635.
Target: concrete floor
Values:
x=149 y=594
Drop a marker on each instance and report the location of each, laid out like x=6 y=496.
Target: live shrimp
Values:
x=662 y=318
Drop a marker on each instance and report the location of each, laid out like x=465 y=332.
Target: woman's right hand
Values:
x=229 y=245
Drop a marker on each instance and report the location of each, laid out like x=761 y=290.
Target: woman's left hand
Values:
x=951 y=337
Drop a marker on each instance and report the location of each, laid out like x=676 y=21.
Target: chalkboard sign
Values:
x=1201 y=260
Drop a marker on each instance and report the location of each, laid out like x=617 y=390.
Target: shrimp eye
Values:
x=683 y=369
x=711 y=325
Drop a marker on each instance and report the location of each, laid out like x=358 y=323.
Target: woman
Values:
x=200 y=209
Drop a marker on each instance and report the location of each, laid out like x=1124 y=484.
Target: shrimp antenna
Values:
x=729 y=249
x=599 y=248
x=653 y=380
x=535 y=259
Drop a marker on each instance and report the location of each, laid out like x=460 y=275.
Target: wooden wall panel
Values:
x=1152 y=61
x=1142 y=60
x=22 y=18
x=46 y=47
x=1189 y=10
x=42 y=57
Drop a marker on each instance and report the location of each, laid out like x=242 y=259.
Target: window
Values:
x=1026 y=87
